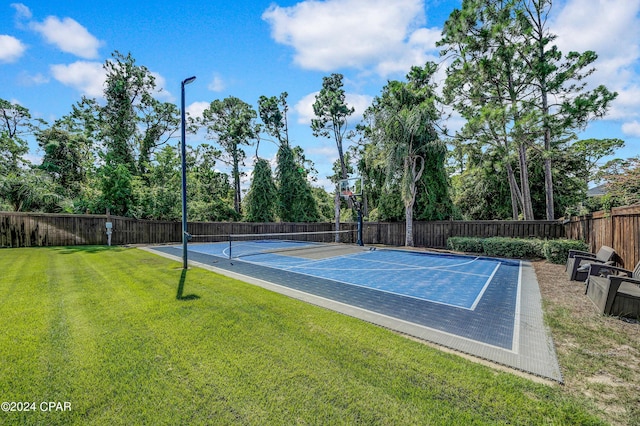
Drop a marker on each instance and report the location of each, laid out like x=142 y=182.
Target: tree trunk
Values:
x=343 y=170
x=539 y=31
x=236 y=187
x=548 y=176
x=410 y=164
x=524 y=182
x=516 y=196
x=236 y=179
x=336 y=206
x=408 y=217
x=548 y=189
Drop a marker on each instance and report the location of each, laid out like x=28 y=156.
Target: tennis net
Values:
x=295 y=243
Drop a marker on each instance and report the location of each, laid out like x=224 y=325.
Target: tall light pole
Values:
x=185 y=235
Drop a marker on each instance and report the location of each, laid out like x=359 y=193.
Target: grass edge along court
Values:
x=127 y=337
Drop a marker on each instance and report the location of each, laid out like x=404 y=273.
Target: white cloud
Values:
x=353 y=33
x=27 y=79
x=86 y=77
x=69 y=36
x=216 y=84
x=160 y=91
x=631 y=129
x=89 y=79
x=11 y=49
x=615 y=37
x=612 y=34
x=627 y=105
x=304 y=107
x=196 y=109
x=330 y=152
x=34 y=159
x=360 y=103
x=22 y=11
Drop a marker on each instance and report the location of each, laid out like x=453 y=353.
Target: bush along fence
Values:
x=39 y=229
x=555 y=251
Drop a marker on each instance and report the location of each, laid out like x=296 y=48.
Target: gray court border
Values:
x=533 y=351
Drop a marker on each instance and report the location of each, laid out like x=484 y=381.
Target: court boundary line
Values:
x=515 y=340
x=360 y=285
x=486 y=285
x=404 y=268
x=445 y=268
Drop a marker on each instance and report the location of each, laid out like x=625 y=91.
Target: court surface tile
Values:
x=485 y=307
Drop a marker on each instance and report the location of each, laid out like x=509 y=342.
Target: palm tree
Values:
x=403 y=128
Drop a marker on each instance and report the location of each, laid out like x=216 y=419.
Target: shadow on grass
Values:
x=88 y=249
x=180 y=295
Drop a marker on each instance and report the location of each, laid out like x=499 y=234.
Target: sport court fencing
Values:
x=40 y=229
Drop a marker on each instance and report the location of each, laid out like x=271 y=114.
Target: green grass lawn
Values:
x=127 y=337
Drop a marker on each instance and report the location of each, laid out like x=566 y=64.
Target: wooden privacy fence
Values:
x=38 y=229
x=434 y=234
x=619 y=229
x=41 y=229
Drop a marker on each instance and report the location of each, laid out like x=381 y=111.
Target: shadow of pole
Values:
x=180 y=294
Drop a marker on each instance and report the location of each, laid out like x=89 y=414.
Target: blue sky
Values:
x=51 y=53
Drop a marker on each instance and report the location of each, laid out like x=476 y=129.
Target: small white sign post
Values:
x=109 y=226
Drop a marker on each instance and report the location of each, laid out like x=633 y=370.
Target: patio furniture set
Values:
x=615 y=291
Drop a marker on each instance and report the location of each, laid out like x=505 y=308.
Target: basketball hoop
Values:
x=350 y=187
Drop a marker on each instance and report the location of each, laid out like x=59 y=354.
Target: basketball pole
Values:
x=358 y=207
x=360 y=243
x=345 y=191
x=185 y=235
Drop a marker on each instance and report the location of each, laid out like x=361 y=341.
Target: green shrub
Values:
x=465 y=244
x=512 y=247
x=557 y=251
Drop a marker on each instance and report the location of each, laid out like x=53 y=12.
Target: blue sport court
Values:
x=488 y=308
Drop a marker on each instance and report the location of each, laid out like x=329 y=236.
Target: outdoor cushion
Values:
x=614 y=291
x=576 y=259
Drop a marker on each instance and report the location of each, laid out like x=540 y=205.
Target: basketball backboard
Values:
x=351 y=187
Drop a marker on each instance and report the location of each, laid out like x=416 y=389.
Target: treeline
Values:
x=516 y=156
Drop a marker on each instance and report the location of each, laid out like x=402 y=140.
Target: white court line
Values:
x=363 y=286
x=486 y=284
x=406 y=267
x=421 y=267
x=304 y=264
x=443 y=268
x=516 y=324
x=403 y=267
x=259 y=248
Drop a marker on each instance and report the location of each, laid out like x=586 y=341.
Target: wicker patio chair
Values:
x=578 y=258
x=615 y=291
